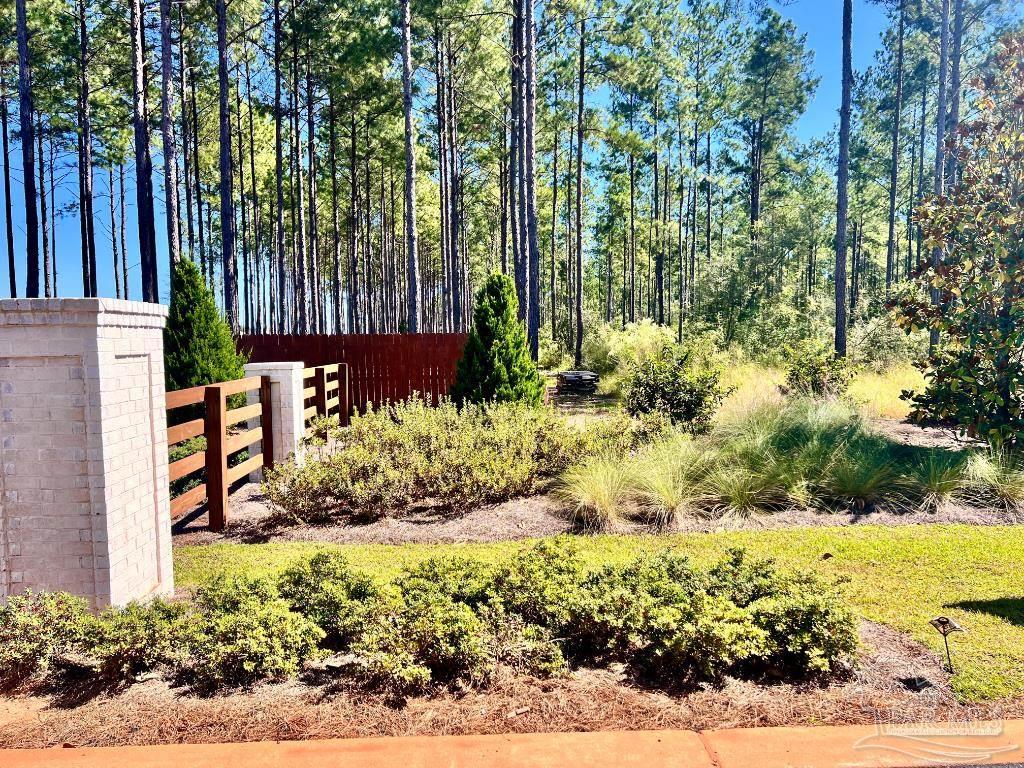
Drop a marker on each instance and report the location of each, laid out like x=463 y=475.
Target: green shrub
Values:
x=496 y=364
x=140 y=637
x=407 y=452
x=198 y=346
x=610 y=349
x=425 y=638
x=809 y=628
x=247 y=633
x=537 y=583
x=463 y=580
x=678 y=625
x=327 y=591
x=525 y=648
x=36 y=628
x=814 y=370
x=687 y=391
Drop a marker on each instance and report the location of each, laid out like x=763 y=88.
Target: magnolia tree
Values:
x=975 y=379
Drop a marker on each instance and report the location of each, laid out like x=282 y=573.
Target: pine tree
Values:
x=198 y=346
x=496 y=364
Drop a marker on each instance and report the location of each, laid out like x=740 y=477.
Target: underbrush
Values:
x=448 y=622
x=409 y=452
x=777 y=455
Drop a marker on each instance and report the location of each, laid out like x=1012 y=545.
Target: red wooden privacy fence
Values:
x=380 y=366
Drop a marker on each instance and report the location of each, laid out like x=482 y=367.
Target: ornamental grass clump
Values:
x=596 y=491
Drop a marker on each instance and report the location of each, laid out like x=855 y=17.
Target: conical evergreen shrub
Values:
x=198 y=346
x=496 y=364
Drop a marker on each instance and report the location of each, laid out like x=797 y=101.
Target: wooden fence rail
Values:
x=380 y=367
x=226 y=436
x=326 y=393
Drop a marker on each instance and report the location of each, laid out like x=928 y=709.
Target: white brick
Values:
x=84 y=487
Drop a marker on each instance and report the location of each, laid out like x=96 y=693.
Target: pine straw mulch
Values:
x=897 y=679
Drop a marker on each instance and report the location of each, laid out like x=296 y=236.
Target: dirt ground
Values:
x=896 y=679
x=251 y=521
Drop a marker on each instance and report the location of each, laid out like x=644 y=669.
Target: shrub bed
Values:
x=409 y=452
x=453 y=622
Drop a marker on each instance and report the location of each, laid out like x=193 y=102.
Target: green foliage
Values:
x=198 y=345
x=971 y=298
x=687 y=390
x=610 y=349
x=327 y=591
x=596 y=489
x=496 y=364
x=679 y=625
x=537 y=583
x=142 y=637
x=432 y=632
x=402 y=453
x=814 y=370
x=35 y=628
x=247 y=633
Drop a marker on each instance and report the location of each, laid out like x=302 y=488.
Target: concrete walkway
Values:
x=822 y=747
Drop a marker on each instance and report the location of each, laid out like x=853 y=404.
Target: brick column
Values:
x=289 y=426
x=83 y=440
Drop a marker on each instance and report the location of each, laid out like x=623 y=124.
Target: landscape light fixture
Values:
x=945 y=626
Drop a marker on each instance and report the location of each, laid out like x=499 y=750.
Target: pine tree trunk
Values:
x=121 y=231
x=940 y=139
x=8 y=216
x=843 y=175
x=113 y=233
x=533 y=248
x=553 y=278
x=170 y=149
x=282 y=318
x=42 y=211
x=894 y=155
x=186 y=154
x=28 y=160
x=227 y=203
x=579 y=196
x=414 y=295
x=85 y=155
x=953 y=120
x=335 y=226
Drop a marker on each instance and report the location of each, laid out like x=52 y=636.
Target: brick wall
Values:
x=83 y=489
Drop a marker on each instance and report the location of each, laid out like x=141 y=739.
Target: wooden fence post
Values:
x=344 y=398
x=216 y=457
x=320 y=385
x=267 y=423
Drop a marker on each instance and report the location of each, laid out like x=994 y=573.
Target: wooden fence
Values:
x=225 y=438
x=380 y=366
x=326 y=393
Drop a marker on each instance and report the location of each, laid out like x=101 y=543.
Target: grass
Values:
x=902 y=577
x=878 y=394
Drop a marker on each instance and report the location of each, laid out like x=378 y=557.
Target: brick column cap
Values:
x=83 y=312
x=284 y=365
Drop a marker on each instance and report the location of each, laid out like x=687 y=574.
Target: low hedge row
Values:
x=453 y=622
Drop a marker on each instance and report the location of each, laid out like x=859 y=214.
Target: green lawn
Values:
x=900 y=576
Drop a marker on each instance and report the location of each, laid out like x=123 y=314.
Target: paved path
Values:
x=823 y=747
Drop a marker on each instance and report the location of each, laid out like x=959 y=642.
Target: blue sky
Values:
x=820 y=20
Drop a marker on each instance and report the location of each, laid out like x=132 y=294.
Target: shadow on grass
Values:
x=1009 y=609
